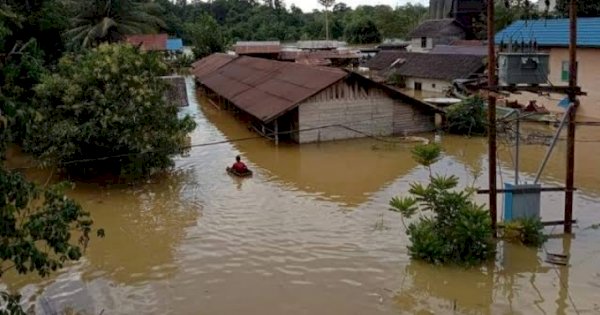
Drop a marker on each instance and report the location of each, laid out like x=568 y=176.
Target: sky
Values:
x=309 y=5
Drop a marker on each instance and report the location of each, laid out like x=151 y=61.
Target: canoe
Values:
x=231 y=171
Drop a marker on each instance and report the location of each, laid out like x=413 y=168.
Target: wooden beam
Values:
x=536 y=89
x=525 y=190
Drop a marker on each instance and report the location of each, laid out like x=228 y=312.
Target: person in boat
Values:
x=239 y=166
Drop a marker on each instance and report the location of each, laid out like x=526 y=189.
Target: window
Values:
x=433 y=85
x=423 y=42
x=564 y=73
x=418 y=86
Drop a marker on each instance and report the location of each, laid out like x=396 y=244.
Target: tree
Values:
x=327 y=4
x=99 y=21
x=363 y=31
x=206 y=36
x=107 y=102
x=585 y=8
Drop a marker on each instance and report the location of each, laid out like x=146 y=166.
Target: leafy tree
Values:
x=468 y=117
x=363 y=31
x=107 y=102
x=327 y=4
x=205 y=35
x=99 y=21
x=452 y=229
x=585 y=8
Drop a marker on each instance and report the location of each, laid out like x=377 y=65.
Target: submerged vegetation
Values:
x=451 y=228
x=468 y=117
x=525 y=231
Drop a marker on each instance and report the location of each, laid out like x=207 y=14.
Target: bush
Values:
x=526 y=231
x=468 y=117
x=453 y=229
x=107 y=102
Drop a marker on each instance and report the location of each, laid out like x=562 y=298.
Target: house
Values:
x=433 y=72
x=320 y=44
x=303 y=103
x=552 y=36
x=156 y=42
x=463 y=47
x=263 y=49
x=435 y=32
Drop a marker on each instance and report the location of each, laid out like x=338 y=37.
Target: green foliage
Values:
x=363 y=31
x=36 y=230
x=585 y=8
x=100 y=21
x=205 y=35
x=526 y=231
x=452 y=229
x=468 y=117
x=107 y=101
x=427 y=154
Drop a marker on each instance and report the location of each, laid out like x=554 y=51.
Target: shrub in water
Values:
x=527 y=231
x=452 y=228
x=467 y=117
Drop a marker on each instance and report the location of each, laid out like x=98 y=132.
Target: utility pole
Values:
x=572 y=116
x=492 y=114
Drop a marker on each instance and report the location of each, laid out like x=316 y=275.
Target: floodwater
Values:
x=310 y=234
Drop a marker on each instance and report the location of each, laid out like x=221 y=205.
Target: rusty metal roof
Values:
x=265 y=88
x=149 y=42
x=207 y=65
x=245 y=48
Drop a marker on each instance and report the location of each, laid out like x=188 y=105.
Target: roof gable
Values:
x=552 y=32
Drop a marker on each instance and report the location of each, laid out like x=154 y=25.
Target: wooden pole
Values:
x=572 y=115
x=492 y=114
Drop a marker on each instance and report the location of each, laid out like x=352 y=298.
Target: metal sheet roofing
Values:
x=259 y=47
x=206 y=66
x=175 y=44
x=460 y=50
x=149 y=42
x=437 y=28
x=552 y=32
x=438 y=66
x=265 y=88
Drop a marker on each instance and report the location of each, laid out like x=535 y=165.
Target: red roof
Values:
x=206 y=66
x=265 y=88
x=246 y=48
x=149 y=42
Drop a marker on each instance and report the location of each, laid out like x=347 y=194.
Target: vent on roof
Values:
x=523 y=68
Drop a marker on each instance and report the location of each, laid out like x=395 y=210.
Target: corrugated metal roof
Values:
x=323 y=54
x=265 y=88
x=320 y=44
x=438 y=66
x=260 y=47
x=206 y=66
x=149 y=42
x=553 y=32
x=175 y=44
x=385 y=58
x=460 y=50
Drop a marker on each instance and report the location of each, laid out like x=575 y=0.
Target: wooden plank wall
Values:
x=352 y=111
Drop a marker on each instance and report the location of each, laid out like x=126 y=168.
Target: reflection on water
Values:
x=309 y=234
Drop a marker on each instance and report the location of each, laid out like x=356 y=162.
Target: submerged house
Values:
x=431 y=33
x=302 y=103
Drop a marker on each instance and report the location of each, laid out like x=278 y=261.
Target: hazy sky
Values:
x=309 y=5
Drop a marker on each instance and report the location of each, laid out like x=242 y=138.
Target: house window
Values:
x=423 y=42
x=433 y=85
x=418 y=86
x=564 y=73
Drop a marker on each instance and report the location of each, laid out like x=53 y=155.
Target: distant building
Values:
x=320 y=44
x=263 y=49
x=552 y=36
x=302 y=103
x=435 y=32
x=156 y=42
x=463 y=11
x=477 y=48
x=428 y=72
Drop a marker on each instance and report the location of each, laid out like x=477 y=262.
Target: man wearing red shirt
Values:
x=239 y=166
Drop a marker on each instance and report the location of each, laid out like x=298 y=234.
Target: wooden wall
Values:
x=352 y=110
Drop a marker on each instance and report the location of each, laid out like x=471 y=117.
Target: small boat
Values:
x=233 y=172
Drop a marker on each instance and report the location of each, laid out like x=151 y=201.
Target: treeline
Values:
x=273 y=20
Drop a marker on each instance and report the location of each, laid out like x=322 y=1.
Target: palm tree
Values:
x=100 y=21
x=327 y=4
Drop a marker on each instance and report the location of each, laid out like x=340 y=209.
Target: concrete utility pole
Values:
x=492 y=114
x=572 y=116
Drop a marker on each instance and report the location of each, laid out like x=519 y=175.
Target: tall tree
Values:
x=206 y=36
x=100 y=21
x=327 y=4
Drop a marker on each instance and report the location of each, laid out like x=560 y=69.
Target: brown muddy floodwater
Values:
x=310 y=234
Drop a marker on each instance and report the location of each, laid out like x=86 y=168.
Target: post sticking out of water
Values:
x=492 y=115
x=572 y=114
